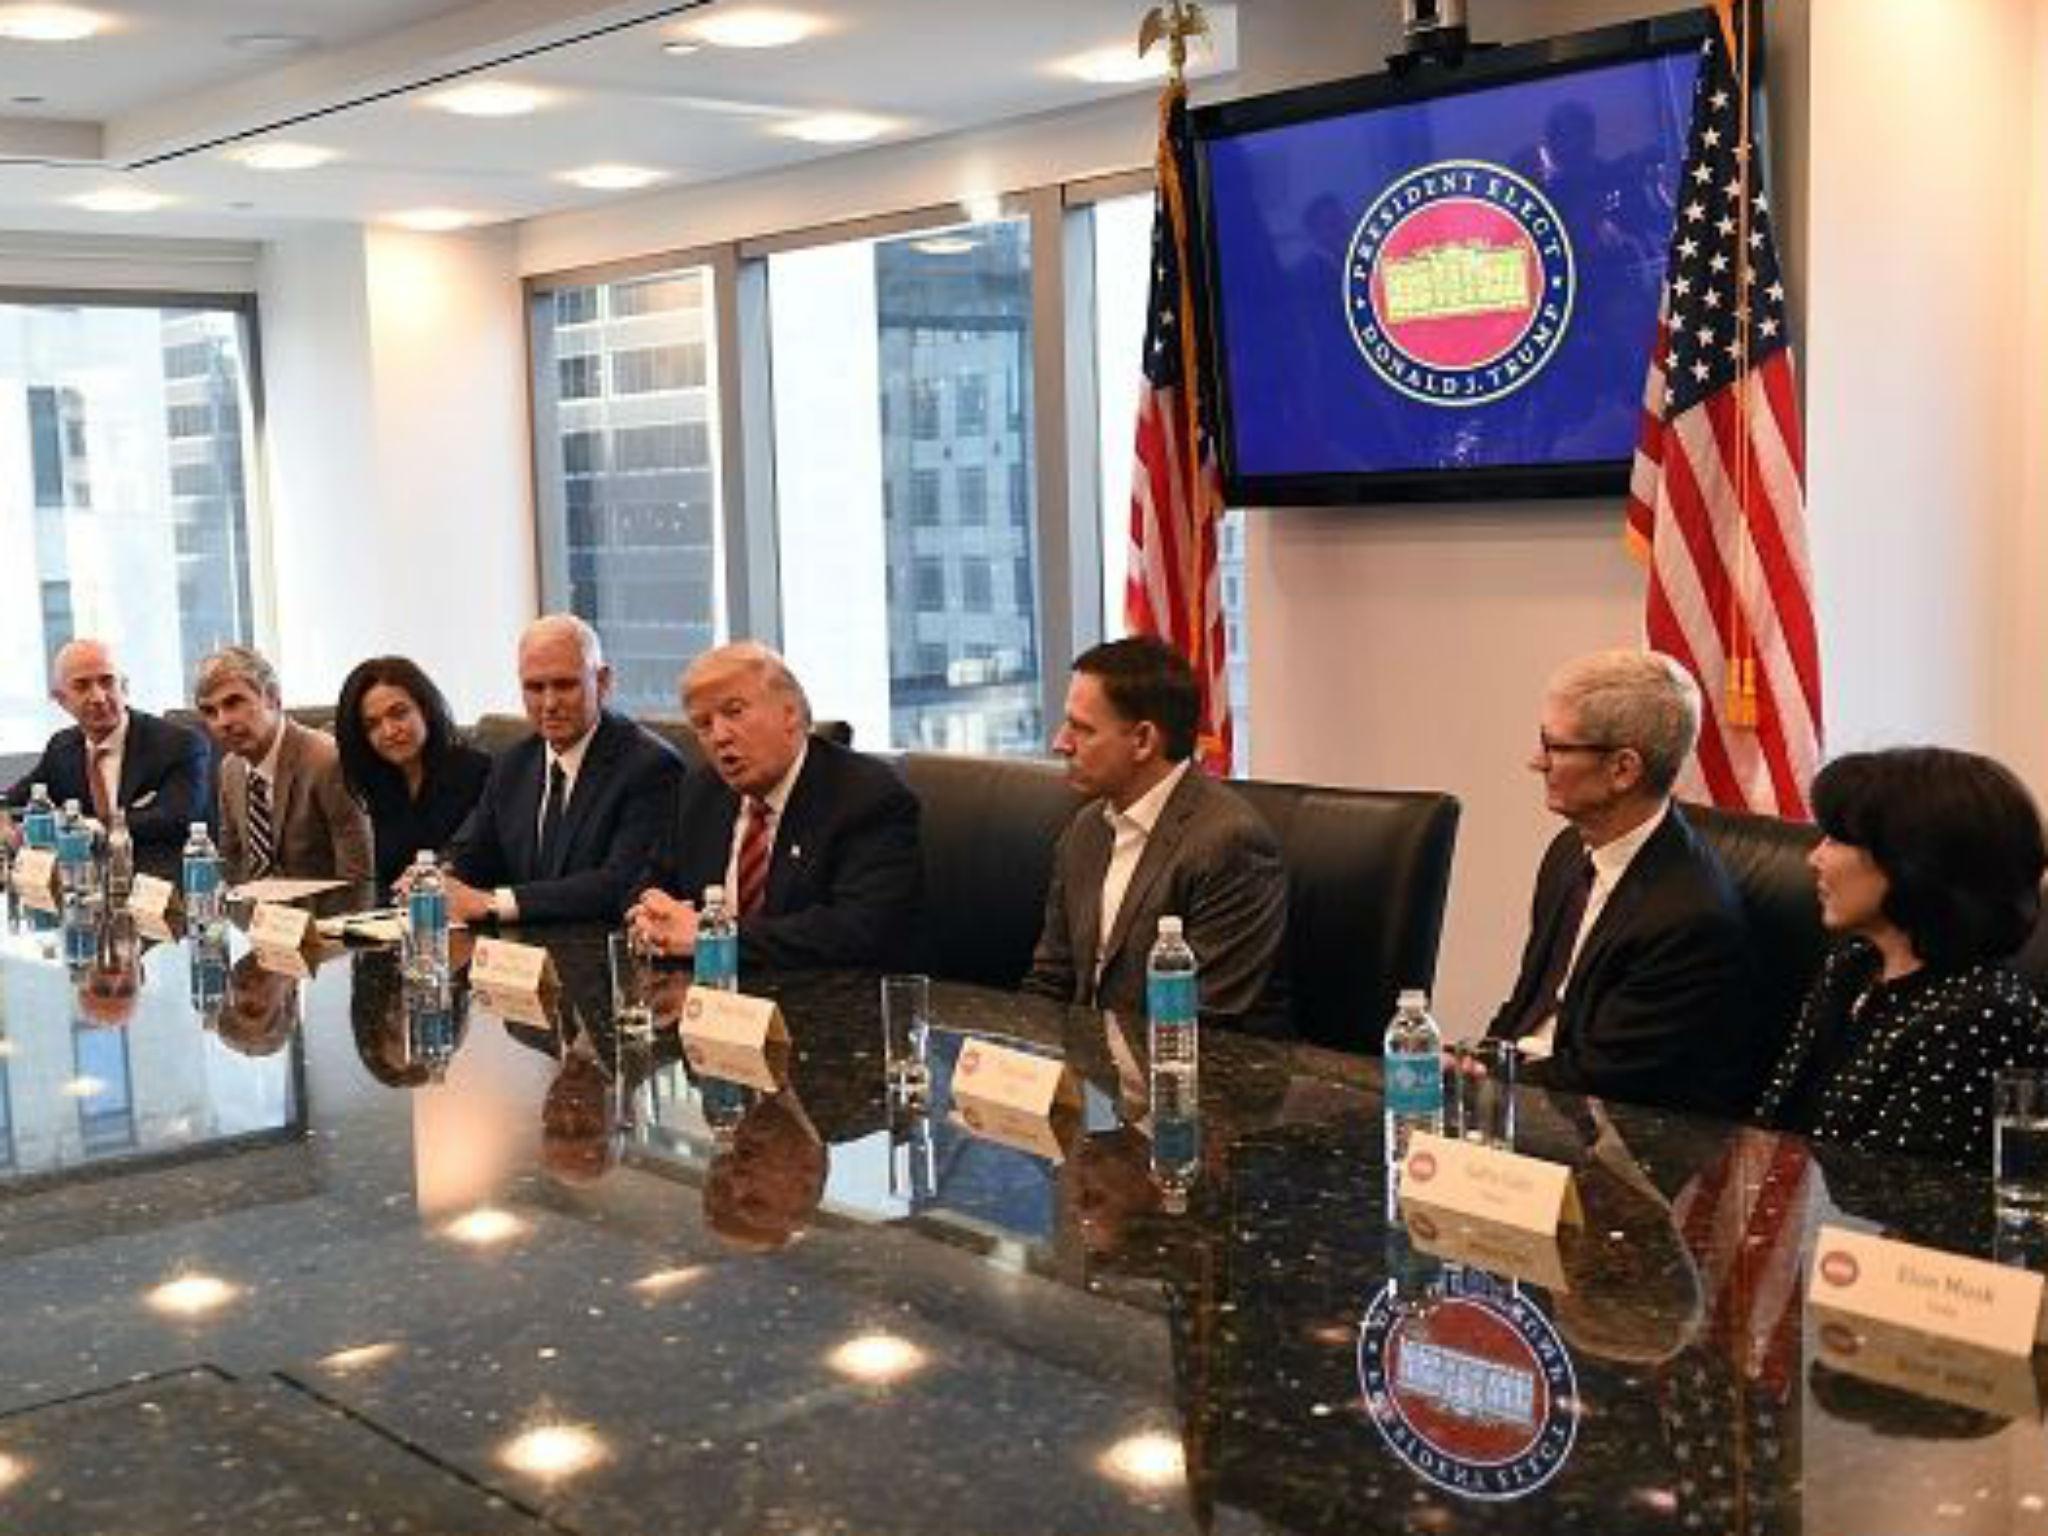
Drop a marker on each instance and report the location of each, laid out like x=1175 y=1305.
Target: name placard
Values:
x=1493 y=1246
x=515 y=1007
x=1046 y=1136
x=1945 y=1369
x=751 y=1066
x=276 y=927
x=35 y=871
x=1019 y=1098
x=283 y=962
x=151 y=897
x=716 y=1016
x=1971 y=1301
x=501 y=966
x=1507 y=1188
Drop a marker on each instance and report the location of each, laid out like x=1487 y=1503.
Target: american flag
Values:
x=1173 y=590
x=1717 y=504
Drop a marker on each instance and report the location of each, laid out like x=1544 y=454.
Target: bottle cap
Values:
x=1415 y=998
x=1169 y=927
x=39 y=791
x=70 y=807
x=424 y=859
x=197 y=829
x=714 y=895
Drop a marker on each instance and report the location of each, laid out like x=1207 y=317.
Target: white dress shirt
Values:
x=504 y=905
x=777 y=798
x=1129 y=830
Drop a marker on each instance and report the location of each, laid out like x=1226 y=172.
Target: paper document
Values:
x=284 y=890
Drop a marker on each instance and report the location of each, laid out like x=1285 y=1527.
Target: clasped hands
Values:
x=663 y=924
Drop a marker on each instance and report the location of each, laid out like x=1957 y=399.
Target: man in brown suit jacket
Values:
x=284 y=809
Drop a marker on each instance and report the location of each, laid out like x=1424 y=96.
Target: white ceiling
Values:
x=158 y=99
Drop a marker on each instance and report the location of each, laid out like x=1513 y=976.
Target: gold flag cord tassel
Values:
x=1740 y=701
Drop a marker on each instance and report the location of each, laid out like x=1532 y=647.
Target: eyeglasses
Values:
x=1547 y=748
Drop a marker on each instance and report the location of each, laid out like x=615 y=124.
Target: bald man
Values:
x=157 y=772
x=569 y=814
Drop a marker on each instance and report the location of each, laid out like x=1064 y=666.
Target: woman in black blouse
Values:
x=1931 y=867
x=403 y=760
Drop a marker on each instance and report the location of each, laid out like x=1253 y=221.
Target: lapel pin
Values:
x=796 y=851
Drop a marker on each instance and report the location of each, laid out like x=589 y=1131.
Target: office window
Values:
x=1122 y=231
x=626 y=452
x=853 y=324
x=977 y=588
x=122 y=507
x=970 y=493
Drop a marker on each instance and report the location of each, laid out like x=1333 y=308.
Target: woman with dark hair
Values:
x=403 y=760
x=1930 y=865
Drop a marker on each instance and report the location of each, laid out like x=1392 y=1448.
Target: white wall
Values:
x=399 y=493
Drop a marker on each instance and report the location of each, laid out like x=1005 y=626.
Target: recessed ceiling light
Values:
x=48 y=23
x=681 y=48
x=120 y=200
x=27 y=101
x=432 y=221
x=614 y=178
x=1152 y=1461
x=944 y=245
x=552 y=1451
x=836 y=128
x=274 y=44
x=1115 y=66
x=755 y=28
x=489 y=98
x=277 y=156
x=191 y=1295
x=876 y=1359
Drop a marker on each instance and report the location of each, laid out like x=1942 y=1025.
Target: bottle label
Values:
x=426 y=912
x=40 y=829
x=1170 y=995
x=74 y=846
x=202 y=876
x=718 y=960
x=1176 y=1141
x=1415 y=1084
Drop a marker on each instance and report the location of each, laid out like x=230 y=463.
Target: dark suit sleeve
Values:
x=1235 y=914
x=1534 y=950
x=183 y=790
x=866 y=913
x=598 y=893
x=665 y=868
x=19 y=791
x=477 y=852
x=1669 y=1022
x=1052 y=962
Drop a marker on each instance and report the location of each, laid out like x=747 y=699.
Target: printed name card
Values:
x=515 y=1007
x=153 y=898
x=1046 y=1136
x=280 y=928
x=283 y=962
x=1015 y=1097
x=733 y=1019
x=751 y=1066
x=1944 y=1369
x=1493 y=1246
x=1971 y=1301
x=35 y=872
x=1467 y=1179
x=502 y=967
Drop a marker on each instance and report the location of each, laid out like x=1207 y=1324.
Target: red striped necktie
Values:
x=751 y=875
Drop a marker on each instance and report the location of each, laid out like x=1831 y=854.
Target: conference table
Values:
x=297 y=1252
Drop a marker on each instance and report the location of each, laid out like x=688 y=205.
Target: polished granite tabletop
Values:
x=305 y=1254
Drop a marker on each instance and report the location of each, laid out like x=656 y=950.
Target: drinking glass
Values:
x=1480 y=1105
x=632 y=975
x=2019 y=1140
x=906 y=1034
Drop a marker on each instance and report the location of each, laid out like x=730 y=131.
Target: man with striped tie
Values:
x=284 y=810
x=815 y=844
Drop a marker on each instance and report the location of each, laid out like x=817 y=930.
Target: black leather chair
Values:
x=1766 y=858
x=1368 y=873
x=494 y=733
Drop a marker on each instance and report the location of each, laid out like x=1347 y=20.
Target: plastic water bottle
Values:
x=209 y=974
x=718 y=944
x=75 y=865
x=202 y=882
x=120 y=859
x=426 y=924
x=80 y=932
x=1173 y=1014
x=1413 y=1067
x=39 y=820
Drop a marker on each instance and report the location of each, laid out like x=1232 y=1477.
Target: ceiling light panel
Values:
x=49 y=23
x=836 y=128
x=755 y=27
x=613 y=178
x=277 y=156
x=120 y=200
x=489 y=98
x=475 y=1228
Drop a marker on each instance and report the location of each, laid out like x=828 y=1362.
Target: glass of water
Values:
x=2019 y=1140
x=906 y=1034
x=632 y=973
x=1480 y=1103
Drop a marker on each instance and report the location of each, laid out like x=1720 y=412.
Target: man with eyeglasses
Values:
x=1634 y=982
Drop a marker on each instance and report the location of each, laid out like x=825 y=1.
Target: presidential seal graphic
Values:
x=1459 y=283
x=1473 y=1390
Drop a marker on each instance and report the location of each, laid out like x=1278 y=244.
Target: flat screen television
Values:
x=1443 y=284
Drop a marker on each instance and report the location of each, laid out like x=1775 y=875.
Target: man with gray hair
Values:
x=815 y=845
x=284 y=808
x=567 y=815
x=1634 y=982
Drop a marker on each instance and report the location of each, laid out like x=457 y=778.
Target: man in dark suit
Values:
x=1158 y=837
x=115 y=757
x=284 y=808
x=567 y=815
x=815 y=845
x=1634 y=981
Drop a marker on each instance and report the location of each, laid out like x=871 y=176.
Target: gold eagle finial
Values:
x=1174 y=23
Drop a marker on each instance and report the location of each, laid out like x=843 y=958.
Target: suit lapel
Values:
x=1161 y=845
x=1084 y=913
x=590 y=777
x=281 y=792
x=793 y=828
x=1621 y=904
